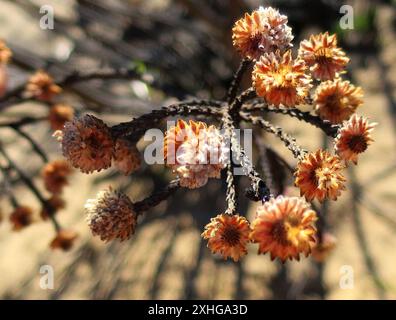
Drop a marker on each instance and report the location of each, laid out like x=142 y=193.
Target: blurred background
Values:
x=186 y=47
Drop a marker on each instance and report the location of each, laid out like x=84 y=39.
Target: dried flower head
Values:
x=319 y=176
x=55 y=175
x=228 y=235
x=111 y=215
x=337 y=100
x=42 y=86
x=195 y=152
x=323 y=56
x=59 y=114
x=265 y=30
x=87 y=143
x=281 y=80
x=54 y=204
x=21 y=217
x=353 y=138
x=126 y=156
x=5 y=53
x=322 y=249
x=64 y=240
x=284 y=227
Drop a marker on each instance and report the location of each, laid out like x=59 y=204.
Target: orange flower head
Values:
x=337 y=100
x=195 y=152
x=126 y=156
x=265 y=30
x=21 y=217
x=111 y=215
x=59 y=114
x=55 y=175
x=323 y=249
x=42 y=86
x=284 y=227
x=64 y=240
x=5 y=53
x=54 y=204
x=323 y=56
x=281 y=80
x=319 y=176
x=353 y=138
x=228 y=235
x=87 y=143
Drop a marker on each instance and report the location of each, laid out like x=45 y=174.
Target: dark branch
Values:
x=157 y=197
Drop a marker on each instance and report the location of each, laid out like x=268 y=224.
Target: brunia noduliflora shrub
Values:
x=282 y=81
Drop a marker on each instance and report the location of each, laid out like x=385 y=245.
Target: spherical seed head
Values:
x=87 y=143
x=64 y=240
x=54 y=204
x=319 y=176
x=21 y=217
x=5 y=53
x=265 y=30
x=228 y=235
x=111 y=215
x=323 y=56
x=55 y=175
x=126 y=156
x=337 y=100
x=59 y=114
x=195 y=152
x=42 y=86
x=284 y=227
x=281 y=80
x=353 y=138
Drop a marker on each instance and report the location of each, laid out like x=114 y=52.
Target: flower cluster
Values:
x=59 y=114
x=111 y=215
x=323 y=56
x=264 y=30
x=283 y=227
x=195 y=152
x=41 y=86
x=283 y=80
x=286 y=82
x=88 y=144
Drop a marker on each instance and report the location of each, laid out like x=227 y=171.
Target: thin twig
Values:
x=288 y=140
x=33 y=143
x=157 y=197
x=16 y=95
x=138 y=126
x=240 y=100
x=21 y=122
x=326 y=126
x=236 y=80
x=29 y=183
x=8 y=186
x=228 y=125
